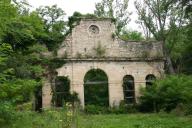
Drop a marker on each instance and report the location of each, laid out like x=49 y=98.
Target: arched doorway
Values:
x=129 y=89
x=96 y=88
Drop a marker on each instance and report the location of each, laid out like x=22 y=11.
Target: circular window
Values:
x=93 y=29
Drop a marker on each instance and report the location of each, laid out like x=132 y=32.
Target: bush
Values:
x=24 y=107
x=182 y=109
x=179 y=110
x=188 y=109
x=121 y=109
x=167 y=94
x=124 y=108
x=6 y=112
x=14 y=92
x=93 y=109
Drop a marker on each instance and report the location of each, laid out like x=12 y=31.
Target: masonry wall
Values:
x=115 y=72
x=82 y=43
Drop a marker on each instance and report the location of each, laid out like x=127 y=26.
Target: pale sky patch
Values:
x=69 y=6
x=83 y=6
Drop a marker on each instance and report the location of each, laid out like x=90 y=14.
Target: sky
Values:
x=83 y=6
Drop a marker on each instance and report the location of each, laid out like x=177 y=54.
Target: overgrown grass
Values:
x=46 y=119
x=134 y=121
x=57 y=119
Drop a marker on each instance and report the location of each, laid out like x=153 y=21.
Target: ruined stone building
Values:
x=92 y=44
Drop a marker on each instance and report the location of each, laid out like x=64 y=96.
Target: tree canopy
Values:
x=114 y=9
x=165 y=20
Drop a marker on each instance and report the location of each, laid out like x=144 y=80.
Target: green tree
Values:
x=183 y=62
x=55 y=26
x=187 y=8
x=7 y=13
x=167 y=93
x=21 y=56
x=159 y=17
x=115 y=9
x=15 y=84
x=187 y=60
x=20 y=30
x=179 y=46
x=75 y=19
x=131 y=35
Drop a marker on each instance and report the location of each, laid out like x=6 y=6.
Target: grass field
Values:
x=135 y=121
x=55 y=119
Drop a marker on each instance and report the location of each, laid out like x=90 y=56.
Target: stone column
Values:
x=139 y=83
x=115 y=93
x=79 y=89
x=46 y=95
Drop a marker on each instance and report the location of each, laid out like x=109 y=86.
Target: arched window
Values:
x=150 y=80
x=96 y=88
x=129 y=89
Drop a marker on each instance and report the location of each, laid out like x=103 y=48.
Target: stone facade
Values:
x=92 y=44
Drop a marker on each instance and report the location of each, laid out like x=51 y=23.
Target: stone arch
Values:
x=150 y=78
x=129 y=89
x=96 y=90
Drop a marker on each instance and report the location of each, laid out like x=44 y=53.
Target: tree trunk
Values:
x=168 y=63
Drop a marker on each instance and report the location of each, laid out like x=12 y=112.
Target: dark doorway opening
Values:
x=96 y=88
x=62 y=90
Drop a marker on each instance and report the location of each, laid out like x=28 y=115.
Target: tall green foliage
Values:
x=168 y=93
x=180 y=49
x=115 y=9
x=75 y=19
x=159 y=17
x=54 y=25
x=131 y=35
x=7 y=13
x=21 y=58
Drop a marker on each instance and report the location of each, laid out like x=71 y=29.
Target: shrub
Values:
x=14 y=92
x=188 y=109
x=6 y=112
x=182 y=109
x=93 y=109
x=25 y=106
x=179 y=110
x=167 y=94
x=124 y=108
x=121 y=109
